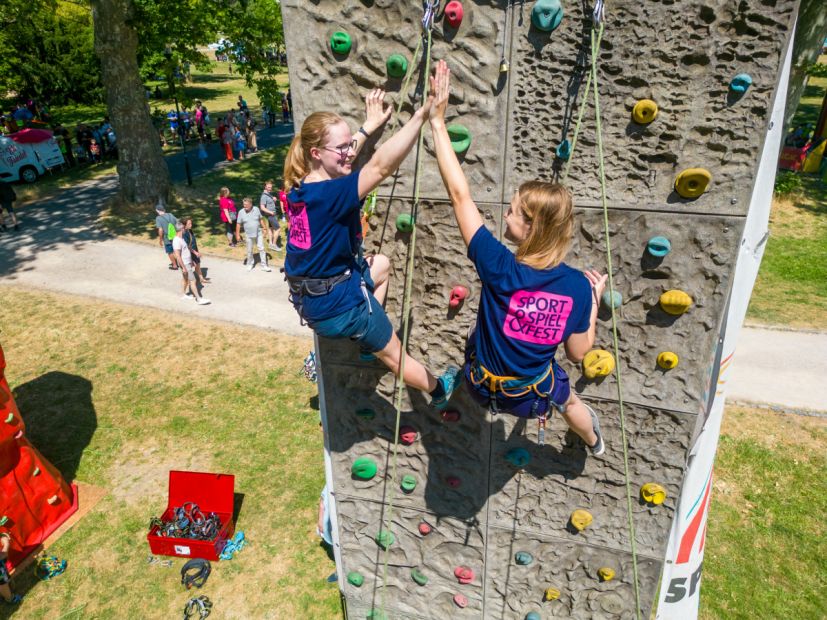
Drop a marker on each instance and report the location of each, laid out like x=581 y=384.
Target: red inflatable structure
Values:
x=34 y=498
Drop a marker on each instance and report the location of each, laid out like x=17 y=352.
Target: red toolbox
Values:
x=212 y=493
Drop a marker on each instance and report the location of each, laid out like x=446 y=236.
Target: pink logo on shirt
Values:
x=299 y=225
x=537 y=316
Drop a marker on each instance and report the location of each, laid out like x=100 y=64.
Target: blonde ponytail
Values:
x=313 y=134
x=548 y=208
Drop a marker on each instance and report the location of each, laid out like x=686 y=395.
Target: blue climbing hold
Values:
x=532 y=615
x=658 y=246
x=546 y=15
x=740 y=83
x=523 y=558
x=612 y=299
x=518 y=457
x=564 y=150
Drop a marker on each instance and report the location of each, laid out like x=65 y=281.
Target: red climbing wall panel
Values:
x=34 y=498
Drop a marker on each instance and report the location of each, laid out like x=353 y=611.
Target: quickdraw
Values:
x=48 y=567
x=309 y=368
x=430 y=8
x=200 y=605
x=195 y=573
x=188 y=522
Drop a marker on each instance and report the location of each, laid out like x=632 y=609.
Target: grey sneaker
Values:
x=265 y=267
x=599 y=447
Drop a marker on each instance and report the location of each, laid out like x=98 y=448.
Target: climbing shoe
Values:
x=448 y=383
x=599 y=447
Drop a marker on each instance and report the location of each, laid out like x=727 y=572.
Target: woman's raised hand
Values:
x=376 y=114
x=440 y=83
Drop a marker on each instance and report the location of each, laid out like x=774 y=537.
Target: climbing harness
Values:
x=309 y=368
x=195 y=573
x=48 y=567
x=233 y=546
x=197 y=607
x=188 y=521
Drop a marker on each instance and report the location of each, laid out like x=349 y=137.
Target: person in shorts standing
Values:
x=5 y=579
x=184 y=258
x=192 y=244
x=7 y=198
x=163 y=221
x=250 y=218
x=272 y=212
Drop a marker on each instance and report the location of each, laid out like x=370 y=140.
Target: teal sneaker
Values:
x=448 y=380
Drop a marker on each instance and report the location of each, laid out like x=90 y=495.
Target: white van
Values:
x=24 y=159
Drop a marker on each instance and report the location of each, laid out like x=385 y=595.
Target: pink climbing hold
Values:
x=450 y=416
x=453 y=482
x=453 y=13
x=425 y=528
x=407 y=435
x=461 y=601
x=464 y=574
x=458 y=295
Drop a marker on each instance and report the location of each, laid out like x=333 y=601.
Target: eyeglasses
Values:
x=342 y=150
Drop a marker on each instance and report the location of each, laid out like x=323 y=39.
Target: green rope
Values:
x=598 y=129
x=406 y=309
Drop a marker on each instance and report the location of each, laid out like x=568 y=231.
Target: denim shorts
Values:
x=4 y=573
x=371 y=329
x=168 y=247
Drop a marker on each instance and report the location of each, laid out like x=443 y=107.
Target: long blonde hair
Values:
x=312 y=134
x=548 y=208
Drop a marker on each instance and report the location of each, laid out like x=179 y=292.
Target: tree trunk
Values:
x=144 y=176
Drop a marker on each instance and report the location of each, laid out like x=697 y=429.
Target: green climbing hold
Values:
x=366 y=414
x=612 y=299
x=420 y=578
x=523 y=558
x=546 y=15
x=385 y=539
x=518 y=457
x=397 y=65
x=363 y=468
x=408 y=483
x=355 y=578
x=532 y=615
x=10 y=418
x=340 y=42
x=36 y=471
x=376 y=614
x=404 y=223
x=3 y=520
x=460 y=138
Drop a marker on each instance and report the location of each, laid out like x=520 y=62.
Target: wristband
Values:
x=362 y=131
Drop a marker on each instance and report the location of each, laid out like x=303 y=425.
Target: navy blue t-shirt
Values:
x=324 y=239
x=524 y=312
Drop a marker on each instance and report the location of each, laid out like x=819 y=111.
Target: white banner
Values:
x=680 y=585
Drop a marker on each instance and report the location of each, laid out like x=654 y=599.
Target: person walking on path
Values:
x=250 y=218
x=7 y=198
x=272 y=213
x=184 y=258
x=228 y=214
x=225 y=136
x=165 y=224
x=192 y=244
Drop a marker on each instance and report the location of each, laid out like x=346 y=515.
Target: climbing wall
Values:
x=482 y=523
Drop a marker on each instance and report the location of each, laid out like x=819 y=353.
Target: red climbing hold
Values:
x=458 y=295
x=407 y=435
x=453 y=482
x=461 y=601
x=425 y=528
x=464 y=574
x=450 y=416
x=453 y=13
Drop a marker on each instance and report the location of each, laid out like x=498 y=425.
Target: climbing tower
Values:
x=464 y=514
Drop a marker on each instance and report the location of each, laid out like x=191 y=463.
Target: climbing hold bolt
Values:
x=408 y=483
x=740 y=83
x=532 y=615
x=407 y=435
x=692 y=182
x=563 y=150
x=404 y=223
x=461 y=601
x=366 y=414
x=675 y=302
x=667 y=360
x=546 y=15
x=458 y=295
x=419 y=577
x=523 y=558
x=460 y=138
x=397 y=65
x=425 y=528
x=612 y=299
x=598 y=363
x=385 y=539
x=355 y=578
x=450 y=416
x=653 y=493
x=453 y=13
x=36 y=471
x=10 y=418
x=581 y=519
x=464 y=574
x=658 y=246
x=340 y=42
x=551 y=594
x=363 y=468
x=518 y=457
x=54 y=499
x=644 y=111
x=453 y=482
x=605 y=573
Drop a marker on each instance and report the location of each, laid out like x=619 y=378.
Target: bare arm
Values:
x=465 y=210
x=577 y=345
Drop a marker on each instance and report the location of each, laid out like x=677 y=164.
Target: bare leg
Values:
x=380 y=268
x=416 y=375
x=577 y=417
x=5 y=591
x=184 y=282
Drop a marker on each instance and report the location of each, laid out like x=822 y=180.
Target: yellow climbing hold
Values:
x=667 y=360
x=675 y=302
x=598 y=363
x=551 y=594
x=581 y=519
x=644 y=111
x=653 y=493
x=692 y=182
x=605 y=573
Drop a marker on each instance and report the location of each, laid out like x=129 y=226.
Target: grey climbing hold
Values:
x=518 y=457
x=612 y=299
x=523 y=558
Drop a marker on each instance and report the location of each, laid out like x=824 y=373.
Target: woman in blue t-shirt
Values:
x=337 y=291
x=531 y=302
